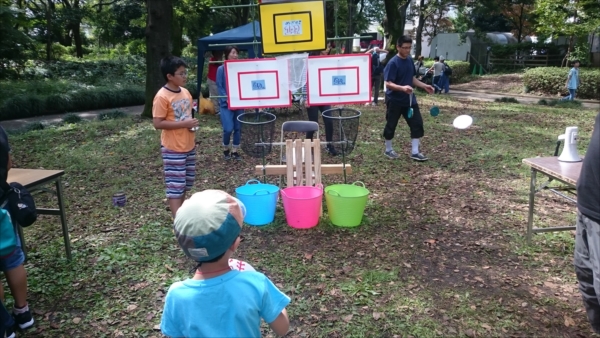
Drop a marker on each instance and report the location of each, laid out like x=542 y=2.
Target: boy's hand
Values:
x=407 y=89
x=429 y=89
x=189 y=123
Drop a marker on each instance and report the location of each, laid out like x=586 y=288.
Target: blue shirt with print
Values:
x=574 y=78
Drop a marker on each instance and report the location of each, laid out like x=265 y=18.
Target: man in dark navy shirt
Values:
x=587 y=239
x=399 y=82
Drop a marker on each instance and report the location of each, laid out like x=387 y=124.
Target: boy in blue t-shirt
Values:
x=218 y=301
x=572 y=82
x=399 y=82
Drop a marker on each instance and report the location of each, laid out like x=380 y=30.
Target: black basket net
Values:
x=257 y=133
x=345 y=123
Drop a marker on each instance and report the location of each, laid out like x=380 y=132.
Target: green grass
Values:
x=441 y=251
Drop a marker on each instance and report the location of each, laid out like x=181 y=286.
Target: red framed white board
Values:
x=339 y=79
x=256 y=83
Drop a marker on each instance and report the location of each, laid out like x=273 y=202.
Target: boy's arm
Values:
x=159 y=115
x=416 y=83
x=281 y=325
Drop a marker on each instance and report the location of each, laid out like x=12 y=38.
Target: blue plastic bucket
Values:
x=260 y=200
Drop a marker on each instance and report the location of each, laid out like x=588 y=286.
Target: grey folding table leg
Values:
x=532 y=190
x=63 y=217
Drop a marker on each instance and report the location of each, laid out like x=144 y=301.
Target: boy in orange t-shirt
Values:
x=172 y=112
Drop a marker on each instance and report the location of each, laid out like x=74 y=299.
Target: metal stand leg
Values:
x=63 y=217
x=531 y=204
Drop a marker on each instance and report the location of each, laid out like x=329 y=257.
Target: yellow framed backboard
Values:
x=295 y=26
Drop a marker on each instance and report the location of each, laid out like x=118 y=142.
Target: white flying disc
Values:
x=462 y=122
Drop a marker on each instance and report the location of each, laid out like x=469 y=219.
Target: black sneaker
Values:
x=10 y=332
x=24 y=320
x=236 y=156
x=227 y=155
x=419 y=157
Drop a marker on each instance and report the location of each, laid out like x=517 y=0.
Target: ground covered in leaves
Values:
x=441 y=250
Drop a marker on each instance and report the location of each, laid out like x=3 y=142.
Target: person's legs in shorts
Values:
x=415 y=123
x=190 y=169
x=392 y=116
x=175 y=172
x=16 y=278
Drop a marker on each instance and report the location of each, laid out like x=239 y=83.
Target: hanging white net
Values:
x=296 y=66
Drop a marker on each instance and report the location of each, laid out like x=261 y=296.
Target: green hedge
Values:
x=551 y=81
x=460 y=70
x=23 y=106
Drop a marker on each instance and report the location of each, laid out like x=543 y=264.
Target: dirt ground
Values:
x=504 y=83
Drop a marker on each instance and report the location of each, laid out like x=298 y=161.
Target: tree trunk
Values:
x=158 y=43
x=177 y=36
x=350 y=29
x=420 y=26
x=48 y=31
x=395 y=11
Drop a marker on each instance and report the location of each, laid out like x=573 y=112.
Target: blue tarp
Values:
x=234 y=36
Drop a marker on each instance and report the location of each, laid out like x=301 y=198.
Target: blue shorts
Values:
x=16 y=259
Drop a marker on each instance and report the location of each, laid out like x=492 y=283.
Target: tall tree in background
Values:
x=158 y=45
x=75 y=14
x=395 y=20
x=432 y=19
x=568 y=18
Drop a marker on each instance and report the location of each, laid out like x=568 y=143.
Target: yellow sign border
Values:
x=312 y=15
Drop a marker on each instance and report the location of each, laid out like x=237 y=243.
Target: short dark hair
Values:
x=228 y=50
x=170 y=64
x=402 y=40
x=437 y=58
x=574 y=62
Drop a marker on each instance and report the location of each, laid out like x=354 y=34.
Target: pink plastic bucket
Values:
x=302 y=206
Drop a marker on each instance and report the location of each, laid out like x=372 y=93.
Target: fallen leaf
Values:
x=407 y=265
x=308 y=256
x=169 y=268
x=156 y=327
x=524 y=304
x=131 y=307
x=486 y=267
x=150 y=316
x=76 y=320
x=487 y=327
x=470 y=333
x=377 y=315
x=569 y=321
x=347 y=318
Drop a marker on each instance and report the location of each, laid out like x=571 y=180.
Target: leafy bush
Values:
x=556 y=102
x=34 y=126
x=22 y=106
x=460 y=70
x=506 y=100
x=551 y=81
x=112 y=115
x=71 y=118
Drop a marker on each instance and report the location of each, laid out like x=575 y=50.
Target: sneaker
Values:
x=227 y=155
x=419 y=157
x=10 y=332
x=391 y=154
x=236 y=156
x=331 y=150
x=24 y=320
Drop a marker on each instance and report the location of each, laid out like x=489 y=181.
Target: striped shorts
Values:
x=179 y=171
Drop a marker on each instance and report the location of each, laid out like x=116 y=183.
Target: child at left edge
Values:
x=172 y=113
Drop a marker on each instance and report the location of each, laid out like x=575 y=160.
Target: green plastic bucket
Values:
x=346 y=203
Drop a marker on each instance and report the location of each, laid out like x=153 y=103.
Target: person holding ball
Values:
x=401 y=101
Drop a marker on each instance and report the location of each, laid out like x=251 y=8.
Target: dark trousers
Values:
x=587 y=266
x=313 y=115
x=436 y=84
x=392 y=116
x=376 y=85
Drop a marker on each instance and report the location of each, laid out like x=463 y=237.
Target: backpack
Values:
x=375 y=64
x=8 y=236
x=20 y=204
x=447 y=70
